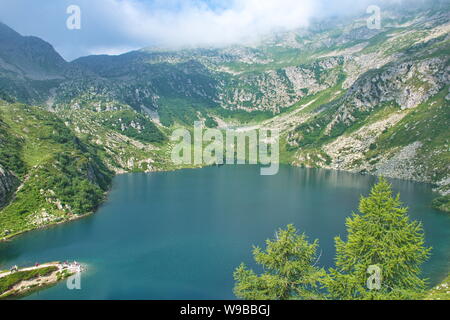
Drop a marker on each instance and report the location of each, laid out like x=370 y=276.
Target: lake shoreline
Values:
x=74 y=218
x=217 y=172
x=51 y=225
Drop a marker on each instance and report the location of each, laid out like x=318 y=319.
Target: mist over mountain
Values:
x=114 y=27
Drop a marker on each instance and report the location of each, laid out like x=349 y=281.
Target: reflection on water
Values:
x=179 y=235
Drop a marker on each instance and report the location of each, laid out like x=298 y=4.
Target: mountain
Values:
x=345 y=97
x=29 y=57
x=29 y=66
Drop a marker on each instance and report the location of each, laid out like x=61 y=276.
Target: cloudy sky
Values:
x=117 y=26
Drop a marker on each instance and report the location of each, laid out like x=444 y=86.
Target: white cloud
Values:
x=194 y=23
x=113 y=51
x=114 y=26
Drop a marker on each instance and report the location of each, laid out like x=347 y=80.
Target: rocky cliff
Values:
x=8 y=184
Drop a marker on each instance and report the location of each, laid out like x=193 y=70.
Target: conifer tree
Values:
x=381 y=237
x=290 y=270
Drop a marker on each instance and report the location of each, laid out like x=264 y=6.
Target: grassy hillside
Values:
x=61 y=177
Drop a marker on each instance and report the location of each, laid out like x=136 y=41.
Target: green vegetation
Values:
x=289 y=270
x=64 y=160
x=181 y=111
x=428 y=124
x=440 y=292
x=63 y=274
x=244 y=117
x=133 y=125
x=60 y=175
x=211 y=123
x=315 y=132
x=287 y=153
x=9 y=281
x=442 y=203
x=381 y=236
x=10 y=150
x=403 y=40
x=120 y=150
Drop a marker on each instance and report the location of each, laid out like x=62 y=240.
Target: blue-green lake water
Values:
x=179 y=235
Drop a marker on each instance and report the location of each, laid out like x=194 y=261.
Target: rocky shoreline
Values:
x=21 y=282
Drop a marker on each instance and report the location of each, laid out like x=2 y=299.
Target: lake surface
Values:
x=179 y=235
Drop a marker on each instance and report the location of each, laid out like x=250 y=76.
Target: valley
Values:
x=344 y=98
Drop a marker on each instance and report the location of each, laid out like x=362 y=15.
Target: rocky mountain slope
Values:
x=394 y=119
x=29 y=67
x=8 y=184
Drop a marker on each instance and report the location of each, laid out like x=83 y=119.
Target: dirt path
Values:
x=50 y=264
x=25 y=286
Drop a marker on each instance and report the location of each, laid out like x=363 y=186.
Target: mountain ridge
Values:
x=343 y=96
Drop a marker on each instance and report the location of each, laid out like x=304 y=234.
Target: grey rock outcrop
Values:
x=8 y=184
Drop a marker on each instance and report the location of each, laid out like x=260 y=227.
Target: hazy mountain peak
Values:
x=29 y=57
